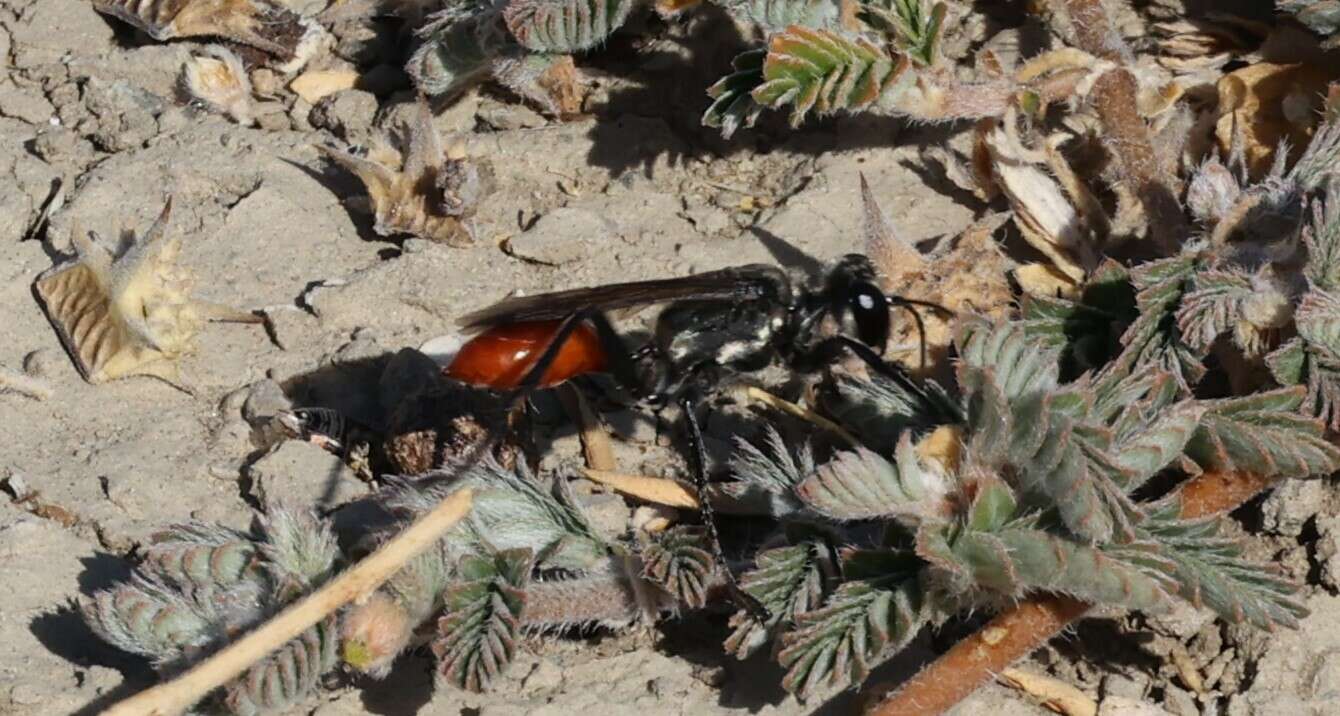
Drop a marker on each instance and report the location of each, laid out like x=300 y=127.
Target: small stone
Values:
x=509 y=117
x=347 y=113
x=276 y=121
x=561 y=236
x=41 y=363
x=1179 y=702
x=1291 y=505
x=26 y=695
x=1326 y=678
x=1124 y=686
x=304 y=474
x=264 y=399
x=1126 y=706
x=1328 y=550
x=25 y=103
x=266 y=82
x=1182 y=621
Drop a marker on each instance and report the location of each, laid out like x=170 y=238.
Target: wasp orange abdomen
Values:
x=501 y=356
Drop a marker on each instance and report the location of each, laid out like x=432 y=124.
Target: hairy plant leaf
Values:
x=564 y=26
x=914 y=24
x=680 y=560
x=773 y=474
x=788 y=581
x=198 y=555
x=1021 y=365
x=477 y=634
x=776 y=15
x=1262 y=434
x=733 y=104
x=878 y=410
x=860 y=484
x=855 y=629
x=1318 y=320
x=1322 y=238
x=1153 y=340
x=1300 y=363
x=1147 y=451
x=825 y=71
x=457 y=51
x=150 y=620
x=288 y=676
x=1212 y=307
x=1207 y=569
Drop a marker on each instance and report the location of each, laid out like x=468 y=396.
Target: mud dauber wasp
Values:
x=734 y=320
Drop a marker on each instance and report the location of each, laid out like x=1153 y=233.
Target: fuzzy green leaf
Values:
x=1263 y=434
x=298 y=547
x=1153 y=340
x=457 y=51
x=788 y=582
x=915 y=25
x=853 y=631
x=1207 y=569
x=1212 y=307
x=878 y=410
x=772 y=476
x=1322 y=238
x=824 y=71
x=564 y=26
x=476 y=637
x=1147 y=451
x=862 y=485
x=776 y=15
x=1318 y=320
x=680 y=560
x=1021 y=365
x=197 y=555
x=733 y=104
x=288 y=676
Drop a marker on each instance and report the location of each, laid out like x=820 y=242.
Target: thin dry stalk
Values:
x=657 y=490
x=36 y=388
x=595 y=441
x=799 y=411
x=355 y=584
x=1057 y=695
x=1018 y=632
x=1126 y=133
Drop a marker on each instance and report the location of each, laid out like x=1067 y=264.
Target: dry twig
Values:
x=354 y=584
x=1016 y=633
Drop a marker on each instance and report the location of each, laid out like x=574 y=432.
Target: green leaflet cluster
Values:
x=883 y=539
x=516 y=43
x=200 y=585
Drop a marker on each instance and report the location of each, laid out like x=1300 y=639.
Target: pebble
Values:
x=264 y=399
x=347 y=113
x=41 y=363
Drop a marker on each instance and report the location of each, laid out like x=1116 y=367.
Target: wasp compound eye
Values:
x=870 y=311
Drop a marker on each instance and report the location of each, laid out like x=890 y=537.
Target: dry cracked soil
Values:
x=633 y=192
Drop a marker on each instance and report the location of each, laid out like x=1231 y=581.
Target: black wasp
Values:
x=739 y=319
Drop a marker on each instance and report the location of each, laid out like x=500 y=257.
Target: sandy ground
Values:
x=266 y=222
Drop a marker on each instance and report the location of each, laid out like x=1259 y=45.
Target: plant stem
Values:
x=1016 y=633
x=1127 y=136
x=175 y=696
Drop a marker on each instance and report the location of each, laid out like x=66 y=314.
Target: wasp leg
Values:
x=829 y=349
x=698 y=462
x=910 y=304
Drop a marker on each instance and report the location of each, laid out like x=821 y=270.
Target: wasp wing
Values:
x=741 y=283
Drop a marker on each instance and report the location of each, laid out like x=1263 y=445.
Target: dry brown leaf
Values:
x=1045 y=215
x=1264 y=103
x=1054 y=693
x=1044 y=280
x=218 y=80
x=432 y=195
x=315 y=84
x=656 y=490
x=257 y=23
x=127 y=312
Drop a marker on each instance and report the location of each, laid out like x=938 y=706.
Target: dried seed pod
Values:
x=440 y=425
x=123 y=313
x=432 y=194
x=218 y=80
x=257 y=23
x=375 y=632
